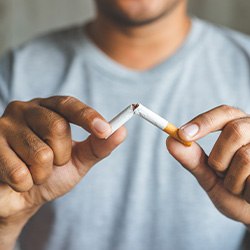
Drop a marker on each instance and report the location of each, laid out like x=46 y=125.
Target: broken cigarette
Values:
x=150 y=116
x=122 y=118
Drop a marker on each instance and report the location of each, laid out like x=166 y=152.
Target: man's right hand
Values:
x=38 y=159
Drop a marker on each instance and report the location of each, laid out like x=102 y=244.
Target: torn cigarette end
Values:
x=135 y=106
x=148 y=115
x=120 y=119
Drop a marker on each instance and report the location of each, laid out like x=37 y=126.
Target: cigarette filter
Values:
x=149 y=116
x=159 y=122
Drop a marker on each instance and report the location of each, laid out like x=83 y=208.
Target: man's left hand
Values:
x=225 y=173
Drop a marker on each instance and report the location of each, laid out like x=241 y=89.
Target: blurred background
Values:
x=21 y=20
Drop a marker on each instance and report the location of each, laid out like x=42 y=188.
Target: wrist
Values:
x=11 y=227
x=9 y=235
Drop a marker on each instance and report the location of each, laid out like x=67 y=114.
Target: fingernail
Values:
x=190 y=130
x=101 y=126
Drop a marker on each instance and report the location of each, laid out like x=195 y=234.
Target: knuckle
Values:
x=18 y=175
x=86 y=113
x=236 y=129
x=59 y=127
x=232 y=112
x=63 y=100
x=215 y=164
x=228 y=110
x=207 y=120
x=14 y=106
x=5 y=123
x=35 y=100
x=243 y=157
x=29 y=140
x=38 y=152
x=42 y=176
x=225 y=107
x=44 y=156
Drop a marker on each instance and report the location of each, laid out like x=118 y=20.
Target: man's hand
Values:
x=38 y=159
x=225 y=173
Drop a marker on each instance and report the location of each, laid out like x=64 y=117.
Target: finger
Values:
x=233 y=137
x=78 y=113
x=34 y=152
x=13 y=170
x=194 y=160
x=239 y=171
x=52 y=129
x=209 y=121
x=87 y=153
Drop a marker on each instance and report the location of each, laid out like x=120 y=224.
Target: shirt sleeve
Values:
x=5 y=80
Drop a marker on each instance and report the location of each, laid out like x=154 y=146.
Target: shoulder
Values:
x=225 y=51
x=225 y=40
x=224 y=56
x=51 y=47
x=41 y=65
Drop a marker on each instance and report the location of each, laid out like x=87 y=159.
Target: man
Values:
x=146 y=51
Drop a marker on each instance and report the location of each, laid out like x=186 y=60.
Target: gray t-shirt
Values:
x=139 y=197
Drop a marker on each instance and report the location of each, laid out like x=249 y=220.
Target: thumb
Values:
x=87 y=153
x=194 y=159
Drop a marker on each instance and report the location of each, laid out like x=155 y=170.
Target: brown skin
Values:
x=37 y=151
x=36 y=147
x=132 y=44
x=225 y=173
x=39 y=161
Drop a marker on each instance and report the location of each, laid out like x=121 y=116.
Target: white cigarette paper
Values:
x=122 y=118
x=151 y=117
x=140 y=110
x=148 y=115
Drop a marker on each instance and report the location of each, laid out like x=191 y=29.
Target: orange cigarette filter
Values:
x=172 y=130
x=159 y=122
